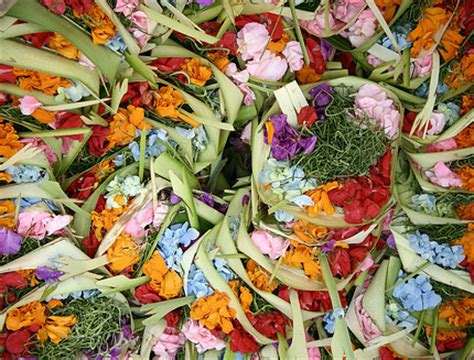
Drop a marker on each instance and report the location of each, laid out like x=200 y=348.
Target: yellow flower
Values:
x=321 y=200
x=103 y=28
x=213 y=312
x=56 y=328
x=198 y=73
x=123 y=254
x=63 y=46
x=124 y=126
x=260 y=277
x=167 y=101
x=9 y=140
x=243 y=293
x=309 y=233
x=25 y=316
x=43 y=116
x=303 y=257
x=7 y=213
x=104 y=220
x=171 y=285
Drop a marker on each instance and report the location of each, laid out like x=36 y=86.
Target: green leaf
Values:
x=298 y=348
x=160 y=309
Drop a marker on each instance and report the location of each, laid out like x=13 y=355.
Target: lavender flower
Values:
x=174 y=199
x=287 y=142
x=207 y=199
x=10 y=241
x=322 y=95
x=48 y=274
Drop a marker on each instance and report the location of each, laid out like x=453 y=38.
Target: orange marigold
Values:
x=303 y=257
x=219 y=59
x=243 y=293
x=34 y=80
x=461 y=73
x=167 y=282
x=458 y=313
x=198 y=73
x=104 y=220
x=443 y=334
x=56 y=328
x=321 y=199
x=44 y=116
x=7 y=213
x=124 y=126
x=9 y=140
x=123 y=254
x=466 y=173
x=465 y=138
x=213 y=312
x=167 y=101
x=465 y=212
x=103 y=29
x=307 y=75
x=260 y=277
x=63 y=46
x=25 y=316
x=279 y=46
x=467 y=104
x=467 y=242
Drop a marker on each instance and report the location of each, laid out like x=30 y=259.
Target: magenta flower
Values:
x=10 y=241
x=322 y=95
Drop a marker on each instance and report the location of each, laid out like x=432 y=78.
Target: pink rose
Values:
x=269 y=67
x=362 y=29
x=368 y=328
x=294 y=55
x=443 y=176
x=317 y=26
x=125 y=7
x=274 y=247
x=422 y=67
x=168 y=343
x=29 y=104
x=201 y=336
x=443 y=145
x=437 y=122
x=40 y=144
x=346 y=10
x=140 y=28
x=38 y=224
x=236 y=75
x=249 y=97
x=252 y=40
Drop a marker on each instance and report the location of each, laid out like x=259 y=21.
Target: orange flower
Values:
x=56 y=328
x=5 y=177
x=104 y=220
x=465 y=212
x=467 y=241
x=29 y=275
x=25 y=316
x=213 y=312
x=219 y=59
x=450 y=44
x=243 y=293
x=123 y=254
x=155 y=268
x=7 y=213
x=260 y=277
x=9 y=140
x=198 y=73
x=467 y=104
x=389 y=8
x=34 y=80
x=461 y=73
x=465 y=138
x=459 y=313
x=466 y=173
x=270 y=131
x=443 y=334
x=309 y=233
x=167 y=102
x=103 y=28
x=63 y=46
x=278 y=46
x=303 y=257
x=54 y=303
x=124 y=126
x=44 y=116
x=103 y=169
x=171 y=285
x=321 y=200
x=307 y=75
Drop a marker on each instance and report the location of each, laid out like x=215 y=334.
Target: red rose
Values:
x=172 y=318
x=229 y=41
x=139 y=94
x=90 y=244
x=6 y=74
x=146 y=295
x=56 y=6
x=242 y=20
x=82 y=187
x=69 y=120
x=97 y=143
x=39 y=39
x=16 y=342
x=270 y=324
x=272 y=22
x=80 y=6
x=307 y=116
x=241 y=341
x=100 y=204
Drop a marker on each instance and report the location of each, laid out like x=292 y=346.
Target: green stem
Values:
x=299 y=34
x=418 y=329
x=434 y=330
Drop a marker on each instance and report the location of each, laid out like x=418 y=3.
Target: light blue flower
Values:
x=117 y=44
x=424 y=202
x=197 y=135
x=119 y=160
x=442 y=88
x=223 y=269
x=155 y=144
x=450 y=111
x=302 y=200
x=404 y=320
x=416 y=294
x=84 y=294
x=76 y=92
x=422 y=90
x=283 y=216
x=329 y=319
x=197 y=283
x=422 y=245
x=27 y=202
x=449 y=256
x=27 y=174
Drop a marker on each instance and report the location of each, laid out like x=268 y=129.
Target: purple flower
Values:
x=391 y=242
x=329 y=246
x=327 y=50
x=10 y=241
x=223 y=208
x=207 y=199
x=47 y=274
x=245 y=200
x=174 y=199
x=287 y=142
x=322 y=98
x=203 y=3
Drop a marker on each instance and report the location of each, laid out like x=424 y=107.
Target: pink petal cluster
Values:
x=374 y=60
x=240 y=78
x=421 y=66
x=40 y=144
x=362 y=29
x=443 y=145
x=246 y=133
x=29 y=104
x=293 y=55
x=373 y=102
x=39 y=224
x=268 y=67
x=443 y=176
x=366 y=324
x=252 y=40
x=346 y=10
x=273 y=246
x=125 y=7
x=201 y=336
x=437 y=122
x=168 y=343
x=317 y=25
x=144 y=217
x=140 y=28
x=83 y=60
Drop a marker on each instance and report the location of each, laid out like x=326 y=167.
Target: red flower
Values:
x=80 y=6
x=139 y=94
x=168 y=64
x=90 y=244
x=386 y=354
x=273 y=23
x=172 y=318
x=97 y=143
x=68 y=120
x=6 y=74
x=38 y=39
x=311 y=300
x=241 y=341
x=341 y=263
x=146 y=295
x=242 y=20
x=315 y=55
x=346 y=61
x=449 y=345
x=17 y=341
x=270 y=324
x=210 y=27
x=12 y=280
x=82 y=187
x=56 y=6
x=307 y=116
x=228 y=41
x=100 y=204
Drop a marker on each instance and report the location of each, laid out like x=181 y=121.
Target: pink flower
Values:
x=83 y=60
x=437 y=122
x=125 y=7
x=252 y=40
x=144 y=217
x=366 y=324
x=40 y=144
x=236 y=75
x=443 y=145
x=269 y=67
x=422 y=67
x=294 y=55
x=201 y=336
x=314 y=353
x=317 y=26
x=374 y=60
x=169 y=343
x=140 y=28
x=274 y=247
x=249 y=97
x=346 y=10
x=246 y=133
x=29 y=104
x=38 y=224
x=362 y=29
x=443 y=176
x=372 y=101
